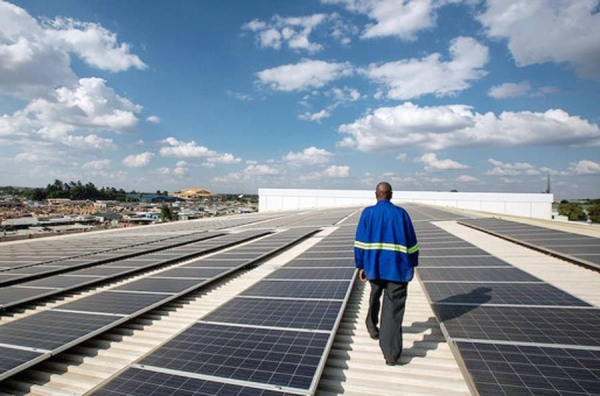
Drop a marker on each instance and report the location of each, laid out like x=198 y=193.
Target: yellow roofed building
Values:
x=192 y=193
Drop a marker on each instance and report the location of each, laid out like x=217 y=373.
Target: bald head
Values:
x=383 y=191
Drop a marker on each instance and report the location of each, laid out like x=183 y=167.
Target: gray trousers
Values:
x=392 y=314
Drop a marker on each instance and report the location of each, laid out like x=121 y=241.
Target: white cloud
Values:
x=62 y=119
x=309 y=156
x=337 y=171
x=509 y=90
x=26 y=47
x=442 y=127
x=412 y=78
x=467 y=179
x=93 y=142
x=95 y=45
x=570 y=31
x=332 y=172
x=345 y=94
x=97 y=165
x=293 y=31
x=89 y=105
x=138 y=161
x=316 y=117
x=260 y=170
x=399 y=18
x=585 y=167
x=239 y=96
x=153 y=119
x=225 y=158
x=304 y=75
x=432 y=163
x=402 y=156
x=508 y=169
x=27 y=157
x=179 y=149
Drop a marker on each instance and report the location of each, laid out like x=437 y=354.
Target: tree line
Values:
x=576 y=211
x=76 y=191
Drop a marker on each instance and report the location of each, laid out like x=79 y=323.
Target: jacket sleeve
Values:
x=412 y=244
x=359 y=237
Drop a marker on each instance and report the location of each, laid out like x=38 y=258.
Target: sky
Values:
x=233 y=96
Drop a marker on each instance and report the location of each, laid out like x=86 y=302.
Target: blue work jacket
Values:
x=385 y=246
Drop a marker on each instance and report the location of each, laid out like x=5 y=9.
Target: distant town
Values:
x=68 y=207
x=62 y=208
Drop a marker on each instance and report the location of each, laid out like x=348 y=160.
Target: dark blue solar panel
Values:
x=522 y=324
x=139 y=382
x=191 y=272
x=269 y=356
x=160 y=285
x=506 y=274
x=527 y=370
x=299 y=289
x=11 y=359
x=299 y=314
x=500 y=293
x=52 y=329
x=313 y=273
x=473 y=261
x=115 y=302
x=579 y=248
x=318 y=262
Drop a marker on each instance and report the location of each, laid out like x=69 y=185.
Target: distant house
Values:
x=147 y=197
x=192 y=193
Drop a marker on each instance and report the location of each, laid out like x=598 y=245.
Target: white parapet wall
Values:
x=538 y=206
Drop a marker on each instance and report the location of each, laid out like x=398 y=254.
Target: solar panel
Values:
x=454 y=244
x=506 y=274
x=461 y=252
x=522 y=324
x=216 y=261
x=100 y=271
x=582 y=249
x=60 y=282
x=327 y=255
x=299 y=314
x=160 y=285
x=472 y=261
x=500 y=293
x=114 y=302
x=12 y=359
x=191 y=272
x=318 y=262
x=299 y=289
x=511 y=369
x=50 y=330
x=139 y=382
x=14 y=295
x=313 y=273
x=267 y=356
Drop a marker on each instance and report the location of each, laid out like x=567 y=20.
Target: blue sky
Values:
x=435 y=95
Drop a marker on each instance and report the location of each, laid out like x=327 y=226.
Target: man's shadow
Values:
x=455 y=306
x=446 y=310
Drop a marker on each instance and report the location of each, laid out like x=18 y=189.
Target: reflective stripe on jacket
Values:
x=385 y=245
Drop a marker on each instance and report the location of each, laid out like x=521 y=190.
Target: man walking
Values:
x=386 y=252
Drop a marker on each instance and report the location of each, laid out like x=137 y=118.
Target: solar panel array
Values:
x=515 y=333
x=573 y=247
x=36 y=337
x=19 y=275
x=272 y=339
x=27 y=291
x=34 y=252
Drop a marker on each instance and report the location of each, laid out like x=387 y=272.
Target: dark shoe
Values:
x=390 y=363
x=374 y=336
